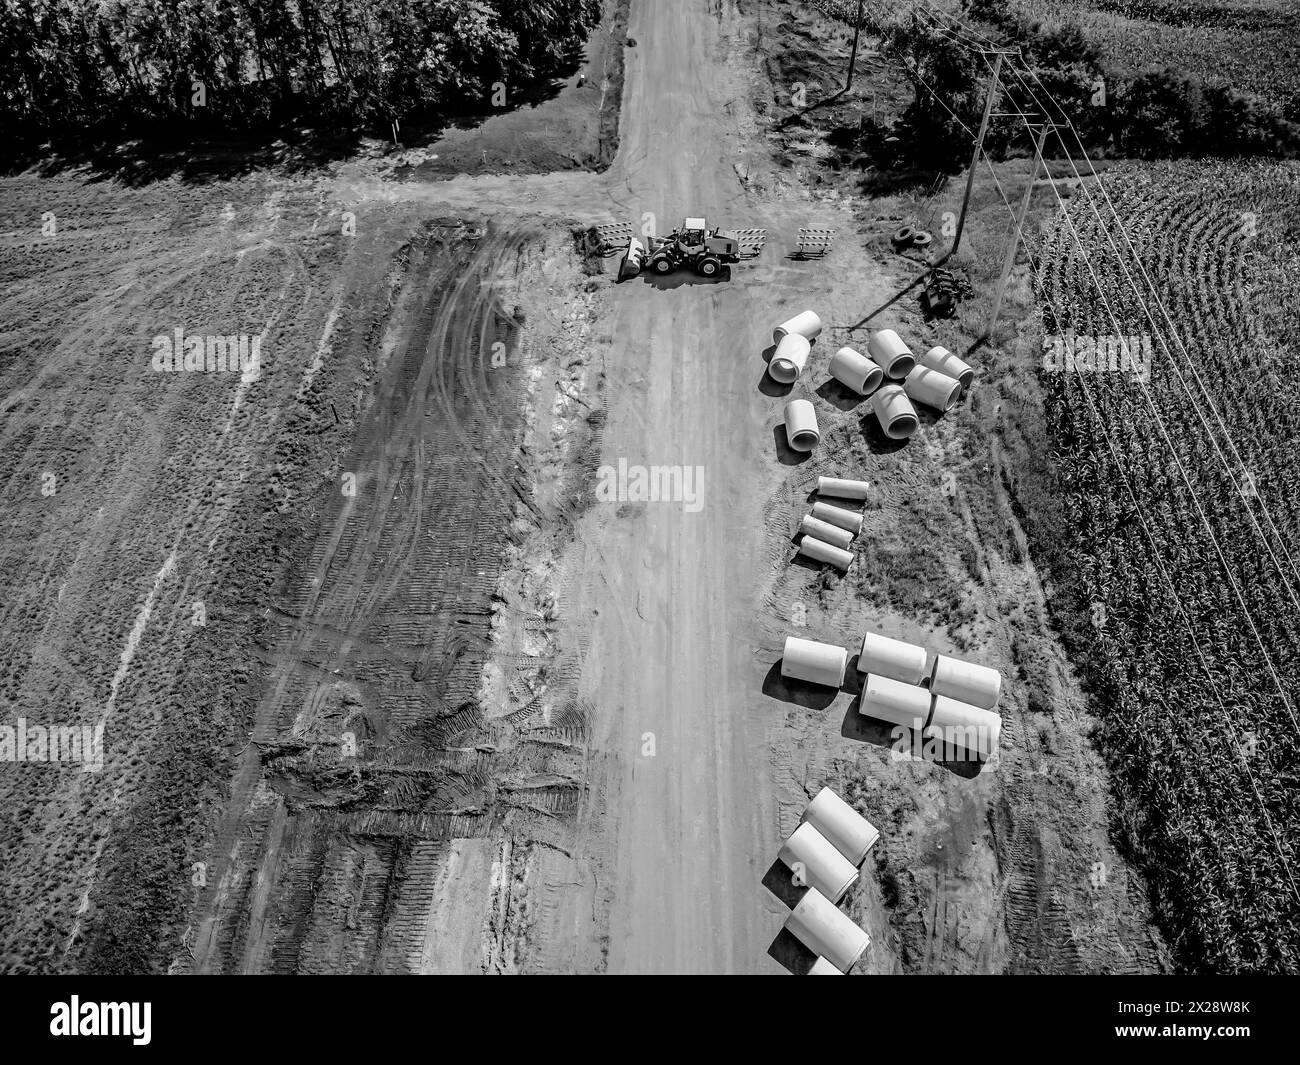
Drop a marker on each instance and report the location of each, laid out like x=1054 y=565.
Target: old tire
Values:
x=921 y=239
x=904 y=235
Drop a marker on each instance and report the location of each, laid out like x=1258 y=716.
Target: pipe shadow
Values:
x=799 y=692
x=787 y=951
x=770 y=386
x=779 y=880
x=839 y=395
x=788 y=455
x=877 y=441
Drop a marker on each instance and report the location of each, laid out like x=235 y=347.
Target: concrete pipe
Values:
x=837 y=486
x=817 y=863
x=789 y=359
x=946 y=362
x=895 y=702
x=960 y=727
x=856 y=371
x=821 y=967
x=849 y=832
x=826 y=532
x=821 y=551
x=817 y=663
x=888 y=351
x=894 y=659
x=824 y=930
x=966 y=682
x=894 y=412
x=807 y=324
x=838 y=516
x=932 y=388
x=801 y=425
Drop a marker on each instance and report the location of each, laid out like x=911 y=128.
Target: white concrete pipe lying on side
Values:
x=966 y=682
x=824 y=930
x=826 y=532
x=817 y=663
x=895 y=702
x=789 y=359
x=821 y=967
x=849 y=832
x=895 y=412
x=838 y=486
x=960 y=726
x=817 y=864
x=854 y=370
x=886 y=657
x=806 y=323
x=821 y=551
x=946 y=362
x=801 y=425
x=838 y=516
x=932 y=388
x=888 y=351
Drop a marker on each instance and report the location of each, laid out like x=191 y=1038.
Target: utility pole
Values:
x=1014 y=243
x=853 y=56
x=979 y=145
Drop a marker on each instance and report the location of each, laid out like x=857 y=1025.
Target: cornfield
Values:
x=1180 y=577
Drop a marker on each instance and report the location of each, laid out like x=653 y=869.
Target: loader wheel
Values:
x=709 y=267
x=921 y=239
x=904 y=235
x=662 y=266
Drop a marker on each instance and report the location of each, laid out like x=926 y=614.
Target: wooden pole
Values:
x=1014 y=244
x=853 y=56
x=979 y=147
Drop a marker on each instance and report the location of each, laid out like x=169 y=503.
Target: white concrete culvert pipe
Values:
x=801 y=425
x=826 y=532
x=932 y=388
x=946 y=362
x=958 y=725
x=789 y=359
x=821 y=551
x=848 y=520
x=849 y=832
x=816 y=863
x=842 y=488
x=888 y=351
x=855 y=371
x=822 y=928
x=817 y=663
x=895 y=702
x=821 y=967
x=895 y=659
x=894 y=412
x=966 y=682
x=806 y=323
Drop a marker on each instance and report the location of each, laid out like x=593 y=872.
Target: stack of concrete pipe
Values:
x=942 y=698
x=829 y=528
x=794 y=340
x=825 y=853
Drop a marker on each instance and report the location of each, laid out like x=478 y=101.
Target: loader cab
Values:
x=694 y=230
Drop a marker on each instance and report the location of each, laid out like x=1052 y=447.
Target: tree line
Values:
x=113 y=65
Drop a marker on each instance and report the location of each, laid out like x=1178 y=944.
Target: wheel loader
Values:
x=692 y=245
